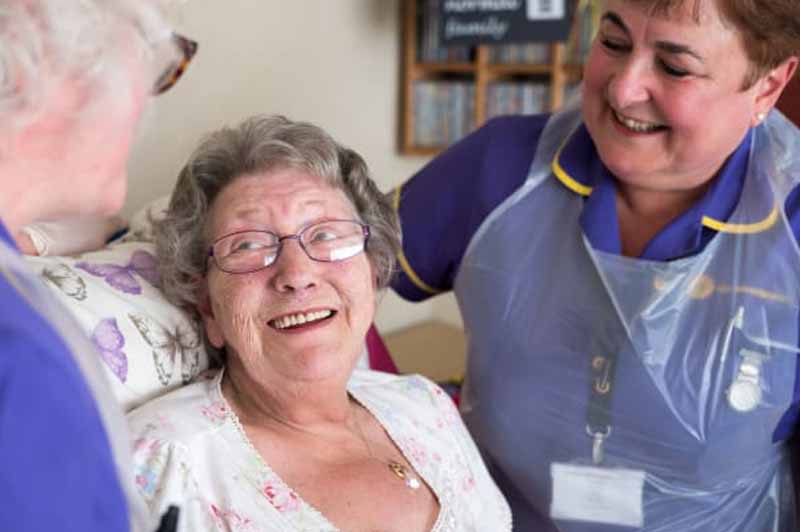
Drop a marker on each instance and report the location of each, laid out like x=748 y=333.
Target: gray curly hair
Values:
x=262 y=144
x=44 y=42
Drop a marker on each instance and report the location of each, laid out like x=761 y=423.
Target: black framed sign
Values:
x=469 y=22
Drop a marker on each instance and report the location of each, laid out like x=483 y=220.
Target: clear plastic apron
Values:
x=15 y=272
x=695 y=359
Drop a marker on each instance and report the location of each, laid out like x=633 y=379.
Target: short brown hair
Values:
x=770 y=29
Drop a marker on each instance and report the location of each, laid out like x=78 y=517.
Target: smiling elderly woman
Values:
x=279 y=239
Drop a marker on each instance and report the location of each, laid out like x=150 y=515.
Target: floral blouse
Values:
x=191 y=451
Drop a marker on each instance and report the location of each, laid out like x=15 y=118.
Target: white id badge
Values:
x=597 y=495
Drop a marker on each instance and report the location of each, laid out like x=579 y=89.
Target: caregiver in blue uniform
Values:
x=74 y=79
x=629 y=277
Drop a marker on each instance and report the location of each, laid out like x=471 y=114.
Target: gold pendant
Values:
x=402 y=473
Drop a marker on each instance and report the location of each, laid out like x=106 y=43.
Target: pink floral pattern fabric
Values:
x=190 y=450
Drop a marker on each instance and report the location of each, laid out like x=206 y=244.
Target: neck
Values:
x=299 y=405
x=22 y=200
x=642 y=213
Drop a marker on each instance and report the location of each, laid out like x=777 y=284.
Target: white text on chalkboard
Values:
x=468 y=6
x=490 y=27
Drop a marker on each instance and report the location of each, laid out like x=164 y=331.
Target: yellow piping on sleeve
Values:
x=401 y=258
x=757 y=227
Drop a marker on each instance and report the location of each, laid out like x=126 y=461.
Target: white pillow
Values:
x=148 y=345
x=140 y=227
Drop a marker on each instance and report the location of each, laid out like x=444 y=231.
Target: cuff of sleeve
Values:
x=408 y=289
x=40 y=239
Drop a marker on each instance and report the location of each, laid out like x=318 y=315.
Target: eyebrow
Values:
x=667 y=46
x=244 y=216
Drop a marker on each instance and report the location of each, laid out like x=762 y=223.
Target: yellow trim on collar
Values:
x=565 y=178
x=742 y=229
x=401 y=258
x=723 y=227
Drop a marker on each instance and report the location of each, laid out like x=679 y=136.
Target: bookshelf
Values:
x=449 y=91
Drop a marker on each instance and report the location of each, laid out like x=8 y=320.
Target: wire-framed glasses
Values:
x=175 y=70
x=327 y=241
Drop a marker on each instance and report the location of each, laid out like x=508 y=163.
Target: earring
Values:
x=761 y=116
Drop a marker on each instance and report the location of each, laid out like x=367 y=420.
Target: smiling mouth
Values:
x=638 y=126
x=293 y=321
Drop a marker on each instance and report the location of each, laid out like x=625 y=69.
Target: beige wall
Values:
x=331 y=62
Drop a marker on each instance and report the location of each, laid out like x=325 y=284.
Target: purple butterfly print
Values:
x=109 y=342
x=121 y=277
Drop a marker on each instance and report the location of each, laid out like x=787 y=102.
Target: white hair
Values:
x=44 y=42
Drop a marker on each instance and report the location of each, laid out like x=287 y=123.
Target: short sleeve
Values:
x=164 y=476
x=442 y=206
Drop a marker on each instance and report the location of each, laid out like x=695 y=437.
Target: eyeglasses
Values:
x=328 y=241
x=173 y=73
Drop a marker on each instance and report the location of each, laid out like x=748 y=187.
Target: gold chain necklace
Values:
x=400 y=471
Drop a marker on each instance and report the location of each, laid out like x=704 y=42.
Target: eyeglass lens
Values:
x=329 y=241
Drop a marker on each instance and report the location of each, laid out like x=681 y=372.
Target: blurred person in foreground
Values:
x=74 y=79
x=280 y=241
x=629 y=277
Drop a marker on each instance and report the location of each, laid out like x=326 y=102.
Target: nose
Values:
x=629 y=84
x=293 y=270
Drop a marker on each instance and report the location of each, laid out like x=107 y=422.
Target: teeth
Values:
x=299 y=319
x=635 y=125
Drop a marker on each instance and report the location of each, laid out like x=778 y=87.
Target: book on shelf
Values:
x=514 y=98
x=443 y=113
x=530 y=53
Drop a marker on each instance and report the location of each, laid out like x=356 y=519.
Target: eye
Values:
x=671 y=70
x=245 y=242
x=614 y=45
x=323 y=235
x=247 y=245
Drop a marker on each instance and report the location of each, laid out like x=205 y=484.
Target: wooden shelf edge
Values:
x=445 y=68
x=493 y=69
x=422 y=150
x=496 y=69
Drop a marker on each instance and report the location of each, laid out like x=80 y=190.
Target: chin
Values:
x=112 y=198
x=624 y=171
x=321 y=364
x=626 y=164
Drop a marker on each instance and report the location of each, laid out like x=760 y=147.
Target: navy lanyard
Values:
x=598 y=415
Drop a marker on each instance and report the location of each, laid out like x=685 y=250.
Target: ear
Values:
x=205 y=307
x=770 y=87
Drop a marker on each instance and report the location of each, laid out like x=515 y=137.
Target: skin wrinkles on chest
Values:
x=340 y=479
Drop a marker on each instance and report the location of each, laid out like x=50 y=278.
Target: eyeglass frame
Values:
x=279 y=244
x=170 y=77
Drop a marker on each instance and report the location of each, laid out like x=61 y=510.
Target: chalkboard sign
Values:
x=503 y=21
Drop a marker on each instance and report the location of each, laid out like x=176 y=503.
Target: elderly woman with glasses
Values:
x=74 y=79
x=281 y=242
